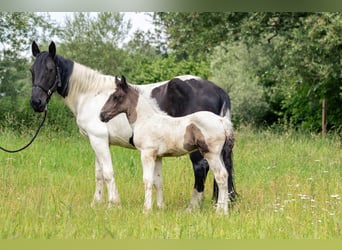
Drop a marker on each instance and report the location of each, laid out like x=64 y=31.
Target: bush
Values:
x=234 y=68
x=22 y=119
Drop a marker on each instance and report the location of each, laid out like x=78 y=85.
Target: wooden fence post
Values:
x=324 y=117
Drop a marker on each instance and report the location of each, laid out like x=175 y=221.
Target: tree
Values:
x=197 y=33
x=303 y=51
x=307 y=69
x=235 y=68
x=94 y=40
x=17 y=30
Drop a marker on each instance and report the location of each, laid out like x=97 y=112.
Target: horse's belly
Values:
x=172 y=153
x=172 y=146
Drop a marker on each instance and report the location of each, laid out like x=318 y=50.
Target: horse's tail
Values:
x=227 y=154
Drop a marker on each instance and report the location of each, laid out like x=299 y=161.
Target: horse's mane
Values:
x=86 y=80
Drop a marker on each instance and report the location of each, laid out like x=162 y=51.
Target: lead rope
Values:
x=33 y=138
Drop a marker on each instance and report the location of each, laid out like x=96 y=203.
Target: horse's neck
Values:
x=84 y=81
x=145 y=110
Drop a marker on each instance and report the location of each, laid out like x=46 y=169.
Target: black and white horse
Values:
x=156 y=135
x=85 y=91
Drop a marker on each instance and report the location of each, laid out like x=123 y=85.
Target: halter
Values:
x=55 y=85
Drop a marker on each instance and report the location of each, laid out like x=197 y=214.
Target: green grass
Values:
x=290 y=188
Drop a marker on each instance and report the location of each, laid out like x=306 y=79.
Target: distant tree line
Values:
x=278 y=68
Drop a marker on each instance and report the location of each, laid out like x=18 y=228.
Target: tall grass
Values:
x=289 y=184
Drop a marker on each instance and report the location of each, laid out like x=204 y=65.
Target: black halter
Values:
x=55 y=85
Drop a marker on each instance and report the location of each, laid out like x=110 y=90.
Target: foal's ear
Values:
x=117 y=81
x=35 y=49
x=52 y=49
x=123 y=84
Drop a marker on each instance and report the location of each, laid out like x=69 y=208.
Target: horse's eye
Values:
x=48 y=70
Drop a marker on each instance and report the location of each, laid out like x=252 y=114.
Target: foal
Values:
x=157 y=135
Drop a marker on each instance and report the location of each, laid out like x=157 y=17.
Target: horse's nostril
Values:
x=104 y=117
x=36 y=102
x=37 y=105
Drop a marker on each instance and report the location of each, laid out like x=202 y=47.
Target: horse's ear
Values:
x=52 y=49
x=35 y=49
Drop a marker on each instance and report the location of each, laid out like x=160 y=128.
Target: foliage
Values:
x=93 y=40
x=197 y=33
x=139 y=60
x=234 y=68
x=17 y=30
x=167 y=67
x=303 y=51
x=311 y=66
x=276 y=66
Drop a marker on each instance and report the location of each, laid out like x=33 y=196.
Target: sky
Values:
x=139 y=20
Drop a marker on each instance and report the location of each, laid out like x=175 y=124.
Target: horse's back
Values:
x=207 y=121
x=184 y=95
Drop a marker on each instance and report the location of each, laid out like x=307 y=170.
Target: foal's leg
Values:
x=104 y=171
x=158 y=182
x=148 y=160
x=221 y=175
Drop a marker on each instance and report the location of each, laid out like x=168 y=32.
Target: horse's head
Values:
x=45 y=76
x=117 y=102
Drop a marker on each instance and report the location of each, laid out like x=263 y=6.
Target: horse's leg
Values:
x=148 y=161
x=200 y=167
x=227 y=156
x=221 y=176
x=158 y=182
x=98 y=196
x=104 y=170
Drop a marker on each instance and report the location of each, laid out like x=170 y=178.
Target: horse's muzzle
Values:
x=37 y=105
x=104 y=117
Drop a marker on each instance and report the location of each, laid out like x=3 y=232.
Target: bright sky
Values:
x=139 y=20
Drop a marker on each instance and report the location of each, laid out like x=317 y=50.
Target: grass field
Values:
x=290 y=187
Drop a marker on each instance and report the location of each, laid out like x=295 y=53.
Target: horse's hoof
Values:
x=221 y=211
x=112 y=205
x=147 y=211
x=94 y=203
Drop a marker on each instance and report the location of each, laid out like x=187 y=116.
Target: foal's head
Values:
x=123 y=100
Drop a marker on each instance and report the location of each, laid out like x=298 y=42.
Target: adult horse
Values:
x=85 y=91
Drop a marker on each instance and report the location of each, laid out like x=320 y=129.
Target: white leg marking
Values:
x=104 y=167
x=221 y=175
x=148 y=164
x=158 y=182
x=98 y=196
